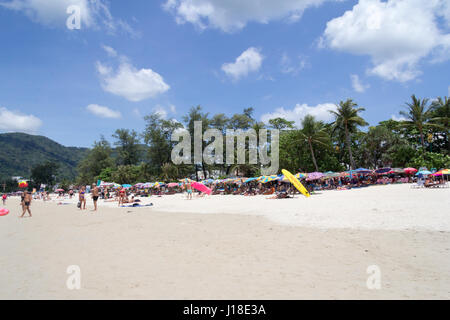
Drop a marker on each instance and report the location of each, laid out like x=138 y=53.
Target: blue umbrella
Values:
x=423 y=172
x=251 y=179
x=383 y=170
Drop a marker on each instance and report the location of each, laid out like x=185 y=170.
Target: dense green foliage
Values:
x=20 y=152
x=421 y=139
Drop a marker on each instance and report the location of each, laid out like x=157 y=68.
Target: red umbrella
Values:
x=410 y=170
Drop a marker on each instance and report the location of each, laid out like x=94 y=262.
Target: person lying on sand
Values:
x=269 y=192
x=281 y=195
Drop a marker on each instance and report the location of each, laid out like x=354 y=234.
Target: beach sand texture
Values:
x=233 y=247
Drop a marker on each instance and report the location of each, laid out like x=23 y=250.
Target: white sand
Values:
x=307 y=248
x=384 y=207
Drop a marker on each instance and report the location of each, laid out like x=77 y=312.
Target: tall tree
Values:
x=196 y=114
x=281 y=124
x=96 y=160
x=417 y=115
x=44 y=173
x=441 y=116
x=157 y=135
x=313 y=133
x=127 y=143
x=347 y=121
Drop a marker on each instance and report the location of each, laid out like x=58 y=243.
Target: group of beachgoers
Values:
x=276 y=189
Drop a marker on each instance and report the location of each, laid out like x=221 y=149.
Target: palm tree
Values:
x=348 y=120
x=313 y=132
x=417 y=116
x=441 y=116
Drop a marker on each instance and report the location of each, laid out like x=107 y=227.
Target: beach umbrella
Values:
x=23 y=184
x=362 y=171
x=59 y=190
x=314 y=176
x=383 y=170
x=301 y=175
x=127 y=186
x=158 y=184
x=410 y=170
x=250 y=179
x=266 y=179
x=396 y=171
x=442 y=172
x=423 y=173
x=147 y=185
x=173 y=185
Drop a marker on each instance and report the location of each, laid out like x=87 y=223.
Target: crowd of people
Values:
x=275 y=189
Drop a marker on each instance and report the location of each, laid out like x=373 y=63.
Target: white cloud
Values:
x=357 y=85
x=94 y=13
x=396 y=34
x=110 y=51
x=231 y=15
x=164 y=111
x=320 y=112
x=249 y=61
x=14 y=121
x=103 y=112
x=128 y=82
x=398 y=118
x=289 y=67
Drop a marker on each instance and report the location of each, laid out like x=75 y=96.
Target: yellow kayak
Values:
x=297 y=184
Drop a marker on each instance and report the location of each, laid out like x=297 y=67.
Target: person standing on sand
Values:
x=82 y=198
x=122 y=195
x=4 y=196
x=189 y=190
x=26 y=203
x=94 y=195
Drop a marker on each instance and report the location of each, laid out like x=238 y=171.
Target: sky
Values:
x=73 y=70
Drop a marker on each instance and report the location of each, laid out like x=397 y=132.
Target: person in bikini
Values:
x=82 y=198
x=95 y=195
x=26 y=203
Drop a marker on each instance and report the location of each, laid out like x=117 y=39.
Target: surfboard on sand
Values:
x=201 y=187
x=297 y=184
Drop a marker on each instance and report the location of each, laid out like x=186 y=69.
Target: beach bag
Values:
x=79 y=204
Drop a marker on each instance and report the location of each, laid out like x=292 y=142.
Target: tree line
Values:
x=421 y=138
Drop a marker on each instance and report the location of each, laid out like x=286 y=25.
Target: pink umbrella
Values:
x=173 y=184
x=314 y=176
x=410 y=170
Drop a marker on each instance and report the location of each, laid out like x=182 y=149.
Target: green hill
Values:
x=19 y=152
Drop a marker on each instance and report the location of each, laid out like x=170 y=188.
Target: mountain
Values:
x=19 y=152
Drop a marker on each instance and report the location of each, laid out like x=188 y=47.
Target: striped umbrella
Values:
x=301 y=175
x=250 y=179
x=266 y=179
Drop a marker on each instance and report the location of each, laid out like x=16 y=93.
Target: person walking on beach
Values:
x=82 y=198
x=95 y=195
x=4 y=196
x=26 y=203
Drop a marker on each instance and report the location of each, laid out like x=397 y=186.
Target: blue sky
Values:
x=283 y=58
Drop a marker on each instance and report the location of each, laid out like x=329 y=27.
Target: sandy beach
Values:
x=233 y=247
